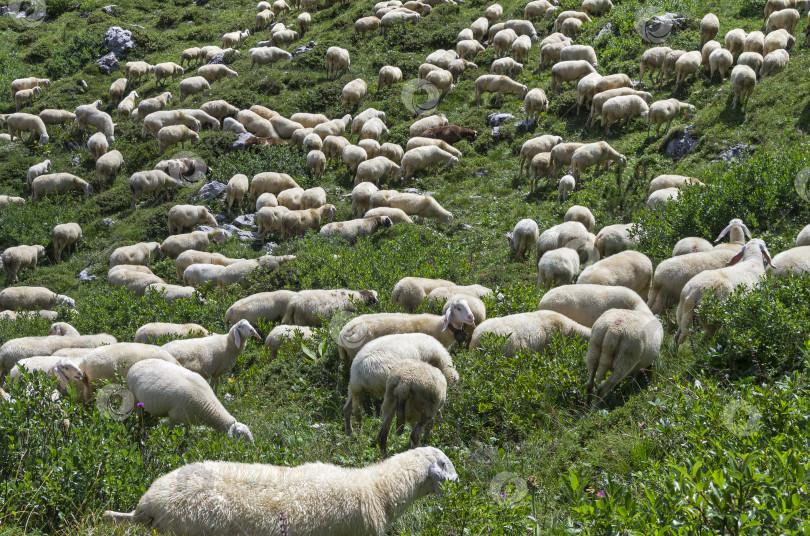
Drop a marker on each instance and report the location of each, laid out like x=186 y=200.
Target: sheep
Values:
x=374 y=169
x=706 y=52
x=567 y=185
x=397 y=17
x=198 y=240
x=192 y=86
x=104 y=362
x=58 y=183
x=720 y=61
x=709 y=26
x=291 y=198
x=283 y=36
x=523 y=238
x=235 y=191
x=664 y=112
x=18 y=257
x=493 y=13
x=365 y=25
x=269 y=219
x=593 y=154
x=233 y=39
x=569 y=71
x=6 y=200
x=623 y=343
x=67 y=371
x=127 y=105
x=578 y=52
x=50 y=116
x=280 y=6
x=449 y=133
x=174 y=134
x=200 y=275
x=28 y=83
x=581 y=214
x=320 y=500
x=361 y=197
x=776 y=5
x=585 y=303
x=570 y=27
x=134 y=70
x=235 y=273
x=735 y=41
x=466 y=49
x=167 y=70
x=151 y=182
x=662 y=196
x=457 y=67
x=155 y=104
x=373 y=129
x=672 y=181
x=803 y=238
x=671 y=275
x=353 y=229
x=420 y=158
x=187 y=216
x=743 y=82
x=774 y=63
x=17 y=349
x=313 y=307
x=25 y=95
x=629 y=269
x=135 y=254
x=64 y=235
x=691 y=244
x=279 y=334
x=336 y=127
x=533 y=331
x=795 y=260
x=266 y=306
x=189 y=257
x=370 y=146
x=424 y=124
x=668 y=69
x=490 y=83
x=153 y=122
x=754 y=42
x=521 y=48
x=586 y=88
x=171 y=293
x=195 y=54
x=392 y=152
x=263 y=18
x=751 y=59
x=561 y=154
x=215 y=355
x=299 y=221
x=36 y=170
x=270 y=182
x=784 y=19
x=557 y=267
x=309 y=120
x=313 y=198
x=134 y=281
x=267 y=56
x=744 y=269
x=652 y=60
x=98 y=145
x=686 y=65
x=420 y=141
x=596 y=7
x=266 y=200
x=337 y=59
x=506 y=66
x=535 y=146
x=441 y=80
x=578 y=15
x=536 y=9
x=410 y=292
x=372 y=366
x=613 y=239
x=18 y=123
x=424 y=206
x=778 y=39
x=155 y=331
x=388 y=76
x=550 y=52
x=394 y=214
x=622 y=108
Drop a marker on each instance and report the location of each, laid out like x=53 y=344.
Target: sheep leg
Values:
x=416 y=432
x=400 y=417
x=669 y=124
x=621 y=371
x=388 y=416
x=347 y=416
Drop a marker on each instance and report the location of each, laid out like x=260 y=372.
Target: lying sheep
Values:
x=629 y=269
x=151 y=183
x=424 y=206
x=622 y=108
x=420 y=141
x=622 y=343
x=63 y=236
x=351 y=230
x=139 y=254
x=672 y=181
x=557 y=267
x=523 y=238
x=309 y=491
x=585 y=303
x=532 y=331
x=312 y=307
x=199 y=240
x=720 y=61
x=613 y=239
x=410 y=292
x=60 y=183
x=743 y=82
x=664 y=112
x=593 y=154
x=490 y=83
x=264 y=306
x=154 y=331
x=187 y=216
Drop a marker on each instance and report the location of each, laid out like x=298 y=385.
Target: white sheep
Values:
x=421 y=125
x=557 y=267
x=151 y=183
x=134 y=281
x=394 y=214
x=153 y=122
x=270 y=219
x=174 y=134
x=36 y=170
x=58 y=183
x=361 y=197
x=424 y=206
x=189 y=257
x=537 y=9
x=629 y=269
x=266 y=306
x=744 y=269
x=370 y=146
x=309 y=120
x=420 y=141
x=613 y=239
x=803 y=238
x=281 y=333
x=584 y=304
x=51 y=116
x=270 y=182
x=25 y=95
x=535 y=146
x=652 y=60
x=579 y=52
x=21 y=122
x=506 y=66
x=14 y=350
x=6 y=200
x=199 y=240
x=337 y=59
x=709 y=26
x=743 y=82
x=751 y=59
x=410 y=292
x=375 y=169
x=421 y=158
x=622 y=343
x=18 y=257
x=622 y=109
x=774 y=63
x=778 y=39
x=98 y=145
x=297 y=222
x=336 y=127
x=663 y=112
x=134 y=70
x=593 y=154
x=581 y=214
x=395 y=17
x=167 y=70
x=154 y=331
x=523 y=238
x=687 y=64
x=754 y=42
x=691 y=244
x=233 y=39
x=521 y=48
x=313 y=307
x=192 y=86
x=561 y=155
x=136 y=254
x=200 y=275
x=127 y=105
x=784 y=19
x=186 y=216
x=532 y=331
x=373 y=129
x=569 y=71
x=497 y=84
x=735 y=40
x=706 y=52
x=63 y=236
x=364 y=25
x=171 y=293
x=235 y=191
x=567 y=185
x=599 y=100
x=117 y=90
x=352 y=92
x=795 y=260
x=319 y=499
x=720 y=61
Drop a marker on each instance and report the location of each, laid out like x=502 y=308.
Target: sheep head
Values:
x=458 y=314
x=441 y=469
x=243 y=329
x=240 y=431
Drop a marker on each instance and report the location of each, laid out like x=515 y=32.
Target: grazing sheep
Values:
x=600 y=99
x=281 y=333
x=98 y=145
x=550 y=52
x=593 y=154
x=235 y=192
x=795 y=260
x=187 y=216
x=596 y=7
x=198 y=240
x=691 y=244
x=154 y=331
x=21 y=122
x=117 y=90
x=63 y=236
x=613 y=239
x=365 y=25
x=778 y=39
x=200 y=275
x=523 y=238
x=337 y=59
x=652 y=60
x=371 y=147
x=153 y=122
x=17 y=349
x=270 y=182
x=585 y=303
x=709 y=26
x=351 y=230
x=50 y=116
x=388 y=76
x=421 y=158
x=127 y=105
x=313 y=307
x=521 y=48
x=662 y=196
x=135 y=254
x=561 y=155
x=754 y=42
x=567 y=185
x=316 y=161
x=449 y=133
x=706 y=52
x=58 y=183
x=151 y=183
x=557 y=267
x=570 y=27
x=319 y=499
x=375 y=169
x=25 y=95
x=36 y=170
x=622 y=343
x=569 y=71
x=578 y=52
x=468 y=48
x=535 y=146
x=664 y=112
x=192 y=86
x=361 y=197
x=134 y=70
x=581 y=214
x=774 y=63
x=490 y=83
x=776 y=5
x=394 y=214
x=6 y=200
x=784 y=19
x=586 y=88
x=174 y=134
x=687 y=64
x=743 y=82
x=720 y=61
x=18 y=257
x=397 y=17
x=803 y=238
x=270 y=219
x=751 y=59
x=134 y=281
x=629 y=269
x=535 y=103
x=336 y=127
x=744 y=269
x=373 y=129
x=219 y=109
x=410 y=292
x=417 y=128
x=493 y=13
x=297 y=222
x=735 y=41
x=622 y=108
x=266 y=306
x=671 y=181
x=171 y=293
x=532 y=331
x=189 y=257
x=537 y=9
x=562 y=17
x=424 y=206
x=441 y=80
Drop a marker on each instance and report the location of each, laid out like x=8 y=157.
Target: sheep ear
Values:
x=766 y=254
x=446 y=321
x=747 y=232
x=722 y=234
x=736 y=257
x=237 y=337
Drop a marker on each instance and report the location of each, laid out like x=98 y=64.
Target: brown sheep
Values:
x=254 y=140
x=450 y=134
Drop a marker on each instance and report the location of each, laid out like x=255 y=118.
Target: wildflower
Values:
x=140 y=404
x=531 y=483
x=600 y=495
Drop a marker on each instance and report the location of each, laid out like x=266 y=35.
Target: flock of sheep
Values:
x=401 y=358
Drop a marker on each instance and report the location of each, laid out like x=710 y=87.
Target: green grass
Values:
x=669 y=459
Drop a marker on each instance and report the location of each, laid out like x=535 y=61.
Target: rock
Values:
x=85 y=277
x=475 y=197
x=109 y=10
x=245 y=220
x=107 y=64
x=218 y=59
x=270 y=246
x=76 y=160
x=304 y=48
x=682 y=145
x=138 y=26
x=211 y=191
x=411 y=191
x=524 y=126
x=467 y=226
x=264 y=43
x=119 y=41
x=239 y=144
x=740 y=151
x=221 y=218
x=108 y=222
x=3 y=10
x=606 y=30
x=498 y=119
x=83 y=84
x=243 y=235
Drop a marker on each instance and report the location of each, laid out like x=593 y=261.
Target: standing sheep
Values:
x=743 y=82
x=774 y=63
x=198 y=240
x=735 y=41
x=709 y=26
x=187 y=216
x=352 y=92
x=58 y=183
x=36 y=170
x=622 y=108
x=154 y=331
x=784 y=19
x=593 y=154
x=297 y=222
x=720 y=61
x=567 y=185
x=64 y=235
x=18 y=257
x=424 y=206
x=174 y=134
x=569 y=71
x=192 y=86
x=778 y=39
x=98 y=145
x=21 y=122
x=686 y=65
x=557 y=267
x=267 y=306
x=652 y=60
x=136 y=254
x=151 y=182
x=629 y=269
x=535 y=146
x=523 y=238
x=421 y=158
x=490 y=83
x=235 y=191
x=388 y=76
x=337 y=59
x=312 y=307
x=535 y=103
x=613 y=239
x=664 y=112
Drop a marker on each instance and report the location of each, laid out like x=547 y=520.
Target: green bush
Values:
x=56 y=8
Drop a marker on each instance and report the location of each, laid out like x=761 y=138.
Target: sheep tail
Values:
x=119 y=518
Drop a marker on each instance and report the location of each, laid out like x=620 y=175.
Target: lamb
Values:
x=774 y=63
x=652 y=60
x=578 y=52
x=199 y=240
x=365 y=25
x=722 y=282
x=233 y=39
x=506 y=66
x=720 y=61
x=270 y=182
x=754 y=42
x=50 y=116
x=709 y=26
x=567 y=185
x=6 y=200
x=613 y=239
x=127 y=105
x=523 y=238
x=743 y=82
x=321 y=499
x=297 y=222
x=622 y=343
x=585 y=303
x=557 y=267
x=735 y=41
x=151 y=183
x=686 y=65
x=135 y=254
x=36 y=170
x=691 y=244
x=192 y=86
x=337 y=59
x=490 y=83
x=424 y=206
x=467 y=49
x=104 y=362
x=795 y=260
x=63 y=236
x=25 y=95
x=533 y=331
x=622 y=108
x=313 y=307
x=21 y=122
x=187 y=216
x=784 y=19
x=421 y=158
x=215 y=355
x=28 y=83
x=593 y=154
x=174 y=134
x=671 y=275
x=778 y=39
x=155 y=331
x=98 y=145
x=535 y=146
x=569 y=71
x=629 y=269
x=19 y=257
x=751 y=59
x=58 y=183
x=425 y=124
x=664 y=112
x=264 y=306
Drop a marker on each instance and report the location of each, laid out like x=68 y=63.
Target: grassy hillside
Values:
x=716 y=444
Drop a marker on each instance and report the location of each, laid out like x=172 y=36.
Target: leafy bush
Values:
x=32 y=223
x=279 y=159
x=56 y=8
